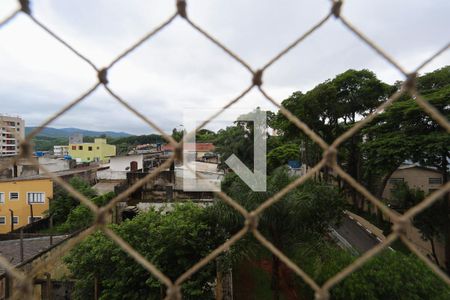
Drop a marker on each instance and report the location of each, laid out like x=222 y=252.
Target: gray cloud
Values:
x=179 y=68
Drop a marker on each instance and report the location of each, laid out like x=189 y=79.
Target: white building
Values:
x=119 y=166
x=11 y=129
x=61 y=150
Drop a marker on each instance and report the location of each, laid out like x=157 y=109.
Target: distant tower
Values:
x=11 y=130
x=76 y=138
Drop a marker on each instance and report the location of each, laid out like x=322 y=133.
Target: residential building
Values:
x=424 y=178
x=22 y=199
x=98 y=151
x=201 y=150
x=119 y=166
x=61 y=150
x=11 y=130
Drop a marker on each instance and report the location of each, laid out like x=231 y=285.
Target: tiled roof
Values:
x=10 y=249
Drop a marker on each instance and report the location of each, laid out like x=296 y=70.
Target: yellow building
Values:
x=17 y=194
x=99 y=150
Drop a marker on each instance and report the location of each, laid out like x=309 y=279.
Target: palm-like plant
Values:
x=305 y=213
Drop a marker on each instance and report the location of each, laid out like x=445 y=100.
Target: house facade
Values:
x=23 y=200
x=418 y=177
x=99 y=151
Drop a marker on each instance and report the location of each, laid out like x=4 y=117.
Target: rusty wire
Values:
x=23 y=279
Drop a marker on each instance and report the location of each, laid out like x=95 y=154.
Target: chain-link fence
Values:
x=23 y=281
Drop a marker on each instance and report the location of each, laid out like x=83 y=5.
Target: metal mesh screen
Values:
x=23 y=280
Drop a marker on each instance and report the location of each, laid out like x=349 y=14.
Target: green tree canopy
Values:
x=281 y=155
x=303 y=214
x=173 y=241
x=63 y=202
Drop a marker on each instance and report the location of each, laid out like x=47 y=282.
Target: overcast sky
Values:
x=179 y=68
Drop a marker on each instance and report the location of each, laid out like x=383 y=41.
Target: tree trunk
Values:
x=433 y=251
x=275 y=284
x=446 y=197
x=380 y=190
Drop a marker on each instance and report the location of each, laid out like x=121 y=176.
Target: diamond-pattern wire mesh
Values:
x=23 y=280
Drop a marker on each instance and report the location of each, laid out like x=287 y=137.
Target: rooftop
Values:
x=199 y=147
x=10 y=249
x=60 y=173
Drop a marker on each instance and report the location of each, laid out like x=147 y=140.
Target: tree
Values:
x=205 y=135
x=392 y=275
x=330 y=109
x=63 y=202
x=305 y=213
x=173 y=241
x=237 y=140
x=81 y=216
x=430 y=222
x=178 y=134
x=388 y=275
x=281 y=155
x=405 y=132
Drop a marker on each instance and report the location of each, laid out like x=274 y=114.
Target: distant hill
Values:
x=66 y=132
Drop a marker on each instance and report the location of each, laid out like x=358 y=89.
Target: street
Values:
x=356 y=235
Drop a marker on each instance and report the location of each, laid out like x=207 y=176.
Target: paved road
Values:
x=356 y=235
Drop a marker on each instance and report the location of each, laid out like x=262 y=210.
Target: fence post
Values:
x=48 y=286
x=51 y=229
x=8 y=283
x=21 y=244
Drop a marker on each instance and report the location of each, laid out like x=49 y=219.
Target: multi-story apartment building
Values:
x=11 y=129
x=60 y=150
x=99 y=151
x=23 y=200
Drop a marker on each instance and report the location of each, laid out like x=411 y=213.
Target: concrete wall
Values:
x=53 y=164
x=109 y=174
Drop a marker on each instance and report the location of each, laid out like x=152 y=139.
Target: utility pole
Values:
x=21 y=244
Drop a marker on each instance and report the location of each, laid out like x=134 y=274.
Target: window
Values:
x=80 y=147
x=435 y=180
x=36 y=197
x=2 y=197
x=90 y=148
x=88 y=158
x=33 y=219
x=74 y=147
x=2 y=220
x=396 y=180
x=15 y=220
x=14 y=196
x=98 y=147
